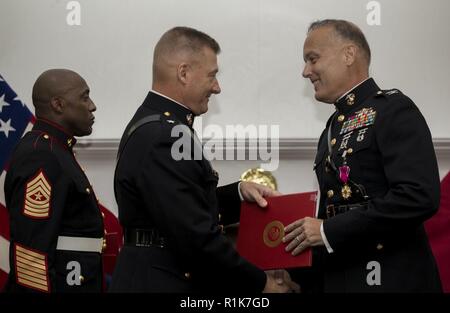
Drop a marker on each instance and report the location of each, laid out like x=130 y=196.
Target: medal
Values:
x=344 y=174
x=346 y=192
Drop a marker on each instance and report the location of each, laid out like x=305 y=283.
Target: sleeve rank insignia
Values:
x=31 y=268
x=37 y=197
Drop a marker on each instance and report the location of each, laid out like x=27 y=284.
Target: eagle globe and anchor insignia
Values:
x=273 y=234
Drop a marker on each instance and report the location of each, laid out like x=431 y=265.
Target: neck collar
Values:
x=169 y=108
x=356 y=96
x=56 y=131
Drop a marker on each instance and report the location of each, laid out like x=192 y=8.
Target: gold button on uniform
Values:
x=104 y=245
x=330 y=193
x=103 y=214
x=46 y=136
x=81 y=279
x=379 y=246
x=349 y=150
x=341 y=118
x=333 y=141
x=167 y=113
x=187 y=275
x=88 y=191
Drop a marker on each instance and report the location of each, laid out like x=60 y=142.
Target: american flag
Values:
x=15 y=120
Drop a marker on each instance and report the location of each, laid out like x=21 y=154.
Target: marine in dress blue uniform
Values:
x=55 y=221
x=172 y=212
x=377 y=173
x=169 y=204
x=380 y=140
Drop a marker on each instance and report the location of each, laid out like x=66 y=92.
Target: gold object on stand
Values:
x=260 y=176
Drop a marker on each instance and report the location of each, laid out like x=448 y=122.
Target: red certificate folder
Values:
x=261 y=230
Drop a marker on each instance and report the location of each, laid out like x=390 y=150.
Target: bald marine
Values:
x=62 y=96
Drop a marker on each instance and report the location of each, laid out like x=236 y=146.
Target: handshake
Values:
x=279 y=281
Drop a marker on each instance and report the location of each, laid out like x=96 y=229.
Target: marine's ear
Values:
x=182 y=72
x=350 y=54
x=57 y=104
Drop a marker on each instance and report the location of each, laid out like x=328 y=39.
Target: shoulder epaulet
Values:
x=392 y=92
x=167 y=118
x=41 y=141
x=388 y=93
x=171 y=121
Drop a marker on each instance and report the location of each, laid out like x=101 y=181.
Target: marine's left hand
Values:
x=302 y=234
x=253 y=192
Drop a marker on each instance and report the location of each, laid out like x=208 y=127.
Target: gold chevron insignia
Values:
x=37 y=197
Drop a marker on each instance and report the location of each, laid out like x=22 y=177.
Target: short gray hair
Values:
x=345 y=30
x=181 y=37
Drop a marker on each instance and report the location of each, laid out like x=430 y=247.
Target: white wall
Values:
x=260 y=64
x=294 y=173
